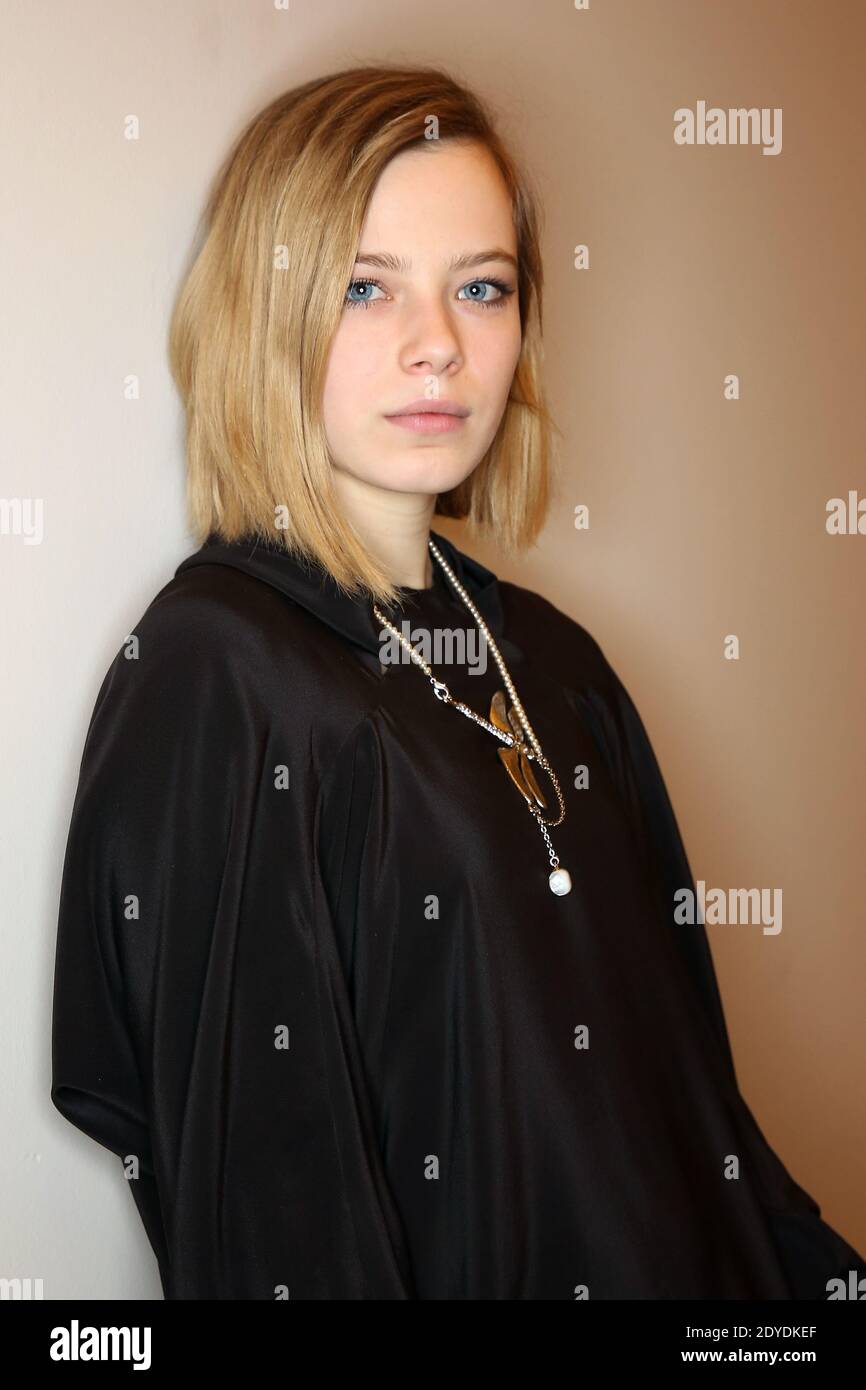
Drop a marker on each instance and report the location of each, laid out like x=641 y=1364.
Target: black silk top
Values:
x=312 y=981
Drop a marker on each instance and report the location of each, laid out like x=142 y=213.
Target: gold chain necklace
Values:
x=507 y=723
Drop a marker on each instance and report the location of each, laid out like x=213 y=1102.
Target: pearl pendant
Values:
x=560 y=882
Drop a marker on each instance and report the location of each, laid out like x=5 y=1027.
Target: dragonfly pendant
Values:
x=514 y=757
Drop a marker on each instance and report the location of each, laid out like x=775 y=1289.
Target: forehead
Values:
x=440 y=199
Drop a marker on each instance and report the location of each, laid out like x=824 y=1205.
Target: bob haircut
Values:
x=253 y=322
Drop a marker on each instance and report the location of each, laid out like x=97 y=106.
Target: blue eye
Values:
x=503 y=291
x=367 y=286
x=363 y=289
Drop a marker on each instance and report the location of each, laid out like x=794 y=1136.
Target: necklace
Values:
x=507 y=722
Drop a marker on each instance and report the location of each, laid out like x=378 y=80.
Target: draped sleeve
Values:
x=201 y=1027
x=811 y=1252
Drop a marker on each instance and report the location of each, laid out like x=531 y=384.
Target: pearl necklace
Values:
x=507 y=723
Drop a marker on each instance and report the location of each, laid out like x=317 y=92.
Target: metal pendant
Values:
x=516 y=763
x=513 y=757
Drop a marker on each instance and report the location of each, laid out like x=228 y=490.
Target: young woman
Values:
x=368 y=967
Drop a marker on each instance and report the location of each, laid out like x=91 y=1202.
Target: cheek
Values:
x=346 y=375
x=498 y=358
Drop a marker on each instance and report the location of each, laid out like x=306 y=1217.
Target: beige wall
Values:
x=707 y=516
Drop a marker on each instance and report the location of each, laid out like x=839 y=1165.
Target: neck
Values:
x=395 y=526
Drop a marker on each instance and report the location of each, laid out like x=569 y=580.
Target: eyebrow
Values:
x=384 y=261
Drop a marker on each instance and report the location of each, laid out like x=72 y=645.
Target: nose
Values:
x=431 y=341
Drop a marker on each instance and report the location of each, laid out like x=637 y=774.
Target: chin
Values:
x=427 y=479
x=427 y=471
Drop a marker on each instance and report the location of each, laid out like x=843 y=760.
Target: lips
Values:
x=430 y=407
x=428 y=421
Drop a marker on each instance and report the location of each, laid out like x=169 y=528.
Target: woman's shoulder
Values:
x=216 y=619
x=212 y=604
x=208 y=648
x=566 y=648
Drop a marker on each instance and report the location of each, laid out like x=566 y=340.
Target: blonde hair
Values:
x=249 y=340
